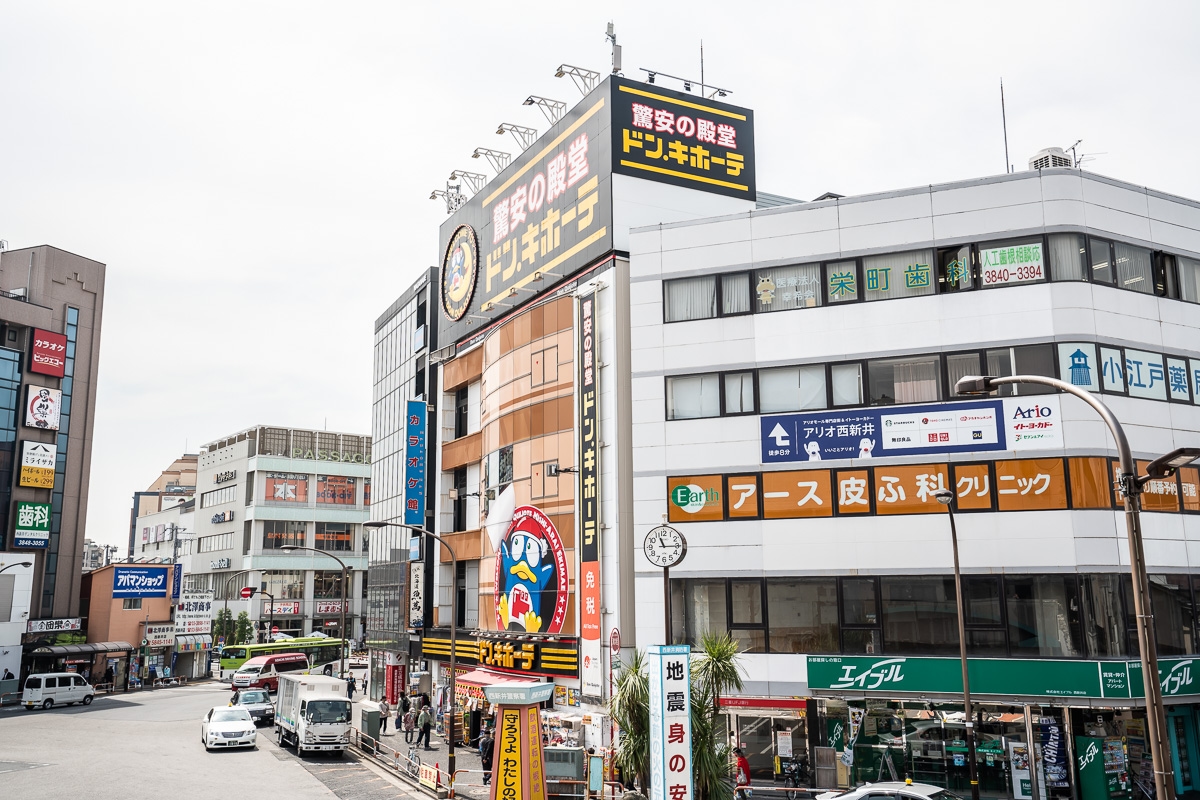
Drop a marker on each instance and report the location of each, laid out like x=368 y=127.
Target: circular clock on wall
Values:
x=664 y=546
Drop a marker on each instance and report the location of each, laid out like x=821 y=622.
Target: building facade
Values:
x=51 y=304
x=177 y=480
x=403 y=375
x=267 y=488
x=793 y=377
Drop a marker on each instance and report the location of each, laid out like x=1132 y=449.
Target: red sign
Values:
x=48 y=355
x=763 y=702
x=247 y=593
x=275 y=629
x=614 y=642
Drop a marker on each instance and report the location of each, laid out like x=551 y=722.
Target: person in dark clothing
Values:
x=425 y=725
x=487 y=747
x=350 y=687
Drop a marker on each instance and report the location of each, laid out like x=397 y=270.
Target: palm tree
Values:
x=715 y=671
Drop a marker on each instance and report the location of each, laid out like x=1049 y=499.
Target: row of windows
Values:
x=931 y=377
x=211 y=544
x=1053 y=616
x=218 y=497
x=330 y=536
x=915 y=273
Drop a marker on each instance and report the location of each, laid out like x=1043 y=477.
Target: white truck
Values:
x=312 y=712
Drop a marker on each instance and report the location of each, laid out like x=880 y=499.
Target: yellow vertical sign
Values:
x=537 y=777
x=508 y=750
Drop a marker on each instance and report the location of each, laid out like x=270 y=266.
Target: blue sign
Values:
x=40 y=540
x=414 y=464
x=175 y=583
x=883 y=431
x=139 y=582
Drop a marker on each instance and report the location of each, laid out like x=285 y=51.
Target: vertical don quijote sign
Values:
x=589 y=499
x=670 y=722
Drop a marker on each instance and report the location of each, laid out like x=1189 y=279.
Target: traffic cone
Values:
x=437 y=768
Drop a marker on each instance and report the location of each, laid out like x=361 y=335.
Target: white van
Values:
x=63 y=688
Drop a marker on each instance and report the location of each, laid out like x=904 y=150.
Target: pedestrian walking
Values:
x=425 y=723
x=410 y=726
x=385 y=711
x=487 y=746
x=742 y=776
x=350 y=687
x=153 y=675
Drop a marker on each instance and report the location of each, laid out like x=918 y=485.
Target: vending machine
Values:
x=1103 y=768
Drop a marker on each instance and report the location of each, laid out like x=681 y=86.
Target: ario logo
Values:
x=692 y=498
x=1033 y=412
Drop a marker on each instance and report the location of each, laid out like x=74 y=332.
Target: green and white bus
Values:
x=323 y=653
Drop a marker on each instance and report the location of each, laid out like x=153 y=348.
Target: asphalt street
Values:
x=149 y=742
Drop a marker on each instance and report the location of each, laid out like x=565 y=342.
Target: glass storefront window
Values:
x=1043 y=615
x=920 y=615
x=859 y=605
x=699 y=607
x=803 y=615
x=1104 y=625
x=747 y=602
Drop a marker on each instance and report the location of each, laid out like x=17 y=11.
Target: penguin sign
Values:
x=531 y=575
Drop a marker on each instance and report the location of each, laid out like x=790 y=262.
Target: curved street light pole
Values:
x=342 y=634
x=228 y=588
x=17 y=564
x=1130 y=487
x=453 y=629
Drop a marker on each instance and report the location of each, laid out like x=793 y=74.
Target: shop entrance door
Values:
x=1182 y=727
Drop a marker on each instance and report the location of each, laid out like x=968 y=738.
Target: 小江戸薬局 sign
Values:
x=670 y=721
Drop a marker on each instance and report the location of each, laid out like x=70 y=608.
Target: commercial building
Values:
x=266 y=488
x=176 y=480
x=97 y=555
x=793 y=375
x=51 y=304
x=528 y=472
x=403 y=373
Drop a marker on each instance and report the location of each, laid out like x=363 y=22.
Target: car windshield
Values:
x=253 y=697
x=249 y=670
x=230 y=715
x=329 y=711
x=944 y=795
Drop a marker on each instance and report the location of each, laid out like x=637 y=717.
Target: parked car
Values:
x=223 y=726
x=62 y=688
x=262 y=672
x=257 y=702
x=895 y=790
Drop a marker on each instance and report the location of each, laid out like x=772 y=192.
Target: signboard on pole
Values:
x=193 y=613
x=414 y=463
x=160 y=635
x=670 y=721
x=589 y=498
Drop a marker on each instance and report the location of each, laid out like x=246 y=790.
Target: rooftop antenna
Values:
x=1074 y=155
x=1004 y=122
x=702 y=68
x=611 y=35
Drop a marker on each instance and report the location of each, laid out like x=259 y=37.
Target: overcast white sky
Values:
x=256 y=175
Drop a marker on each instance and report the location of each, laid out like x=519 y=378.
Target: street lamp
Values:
x=17 y=564
x=1130 y=486
x=453 y=627
x=228 y=588
x=946 y=498
x=342 y=648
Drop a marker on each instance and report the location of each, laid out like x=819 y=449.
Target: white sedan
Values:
x=891 y=790
x=223 y=726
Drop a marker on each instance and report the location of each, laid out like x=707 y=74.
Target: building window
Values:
x=860 y=616
x=959 y=365
x=698 y=606
x=218 y=497
x=337 y=490
x=334 y=536
x=846 y=381
x=920 y=615
x=1104 y=630
x=1101 y=251
x=747 y=620
x=786 y=288
x=327 y=584
x=1043 y=615
x=903 y=380
x=1033 y=359
x=131 y=604
x=461 y=402
x=693 y=396
x=284 y=584
x=791 y=389
x=735 y=294
x=690 y=298
x=1011 y=263
x=739 y=393
x=211 y=544
x=498 y=469
x=1174 y=623
x=1135 y=268
x=286 y=487
x=954 y=269
x=1068 y=257
x=804 y=617
x=278 y=533
x=841 y=282
x=895 y=275
x=460 y=502
x=1188 y=271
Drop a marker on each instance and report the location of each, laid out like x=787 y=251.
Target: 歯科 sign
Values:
x=414 y=463
x=48 y=355
x=1014 y=423
x=670 y=721
x=682 y=139
x=32 y=527
x=139 y=581
x=588 y=429
x=42 y=407
x=193 y=613
x=37 y=464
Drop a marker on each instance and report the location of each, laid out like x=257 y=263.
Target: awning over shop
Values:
x=469 y=685
x=193 y=643
x=95 y=648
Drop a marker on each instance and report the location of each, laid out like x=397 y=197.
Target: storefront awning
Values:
x=60 y=650
x=193 y=643
x=469 y=685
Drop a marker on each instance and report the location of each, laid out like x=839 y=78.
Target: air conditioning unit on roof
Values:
x=1050 y=157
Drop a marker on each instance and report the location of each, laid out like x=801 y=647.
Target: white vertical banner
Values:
x=670 y=721
x=416 y=594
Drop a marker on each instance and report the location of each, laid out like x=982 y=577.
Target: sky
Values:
x=256 y=175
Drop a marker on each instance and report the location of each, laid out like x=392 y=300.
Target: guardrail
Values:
x=408 y=769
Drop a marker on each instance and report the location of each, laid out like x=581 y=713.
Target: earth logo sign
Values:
x=460 y=268
x=531 y=575
x=692 y=498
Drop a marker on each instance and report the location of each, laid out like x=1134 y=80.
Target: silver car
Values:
x=891 y=790
x=227 y=727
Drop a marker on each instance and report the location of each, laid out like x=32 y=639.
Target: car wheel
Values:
x=328 y=670
x=47 y=704
x=87 y=701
